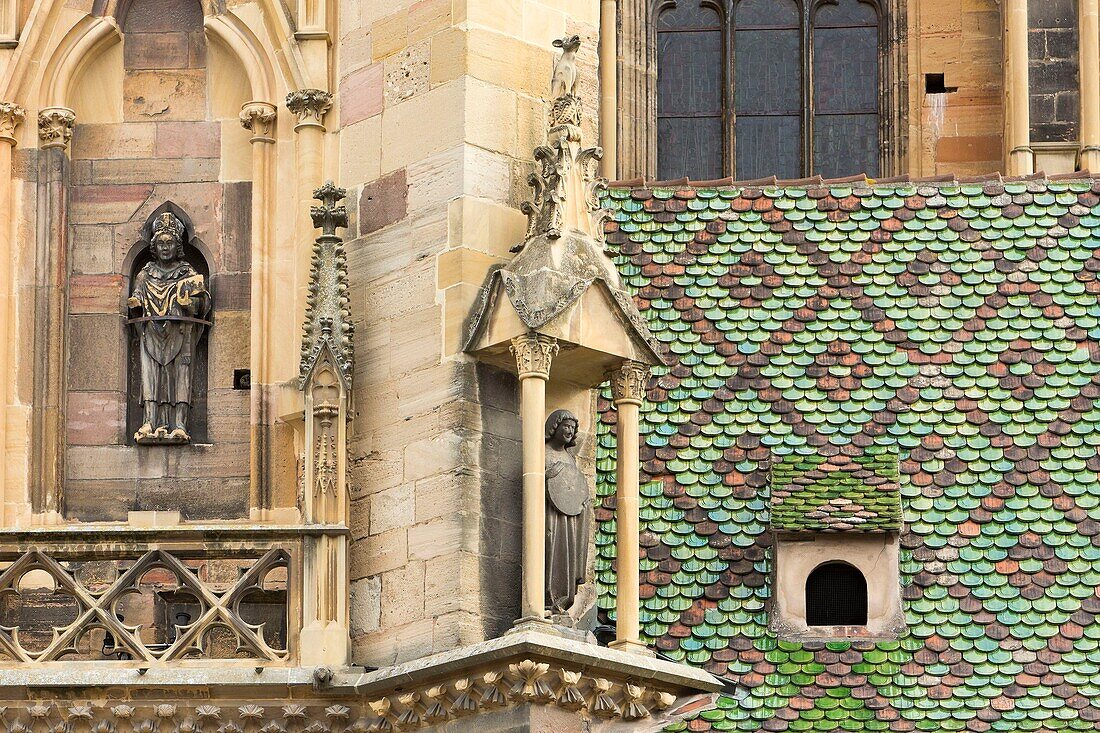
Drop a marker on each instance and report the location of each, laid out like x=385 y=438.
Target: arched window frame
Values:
x=638 y=136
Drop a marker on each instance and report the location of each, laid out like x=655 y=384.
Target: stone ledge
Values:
x=588 y=659
x=227 y=677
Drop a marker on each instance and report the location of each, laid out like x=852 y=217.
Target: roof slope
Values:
x=835 y=492
x=956 y=324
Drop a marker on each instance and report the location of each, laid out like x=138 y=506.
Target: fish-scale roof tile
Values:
x=953 y=326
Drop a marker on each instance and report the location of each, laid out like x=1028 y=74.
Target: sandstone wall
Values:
x=163 y=141
x=442 y=104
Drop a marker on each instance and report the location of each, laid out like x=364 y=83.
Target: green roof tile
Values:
x=926 y=352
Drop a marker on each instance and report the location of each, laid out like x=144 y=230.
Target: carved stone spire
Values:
x=566 y=186
x=563 y=252
x=328 y=318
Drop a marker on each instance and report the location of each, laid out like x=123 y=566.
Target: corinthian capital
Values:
x=55 y=127
x=11 y=116
x=534 y=353
x=259 y=119
x=309 y=105
x=628 y=383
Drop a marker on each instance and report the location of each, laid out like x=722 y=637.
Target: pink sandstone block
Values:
x=361 y=94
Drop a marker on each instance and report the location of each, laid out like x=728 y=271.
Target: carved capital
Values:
x=628 y=383
x=11 y=116
x=259 y=119
x=309 y=106
x=55 y=127
x=534 y=354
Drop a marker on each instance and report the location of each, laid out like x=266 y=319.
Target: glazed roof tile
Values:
x=953 y=322
x=830 y=491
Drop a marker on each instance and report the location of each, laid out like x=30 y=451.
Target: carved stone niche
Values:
x=192 y=284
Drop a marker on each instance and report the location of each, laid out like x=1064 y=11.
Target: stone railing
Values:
x=122 y=596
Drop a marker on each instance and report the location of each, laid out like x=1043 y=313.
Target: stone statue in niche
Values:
x=169 y=305
x=567 y=513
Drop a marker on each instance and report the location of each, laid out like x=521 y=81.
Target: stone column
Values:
x=310 y=107
x=259 y=119
x=55 y=131
x=534 y=354
x=1088 y=12
x=11 y=116
x=609 y=133
x=628 y=386
x=1021 y=158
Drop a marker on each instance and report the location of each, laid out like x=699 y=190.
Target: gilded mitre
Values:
x=168 y=223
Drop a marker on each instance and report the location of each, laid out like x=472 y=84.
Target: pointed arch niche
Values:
x=137 y=258
x=158 y=127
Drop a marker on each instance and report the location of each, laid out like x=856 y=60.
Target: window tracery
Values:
x=788 y=88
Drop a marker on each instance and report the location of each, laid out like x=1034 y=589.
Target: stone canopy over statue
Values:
x=168 y=305
x=567 y=513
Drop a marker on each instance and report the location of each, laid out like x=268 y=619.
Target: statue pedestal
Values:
x=554 y=626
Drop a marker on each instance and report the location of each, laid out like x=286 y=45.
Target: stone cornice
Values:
x=520 y=668
x=55 y=127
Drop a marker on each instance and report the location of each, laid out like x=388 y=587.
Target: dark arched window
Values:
x=836 y=595
x=691 y=90
x=806 y=89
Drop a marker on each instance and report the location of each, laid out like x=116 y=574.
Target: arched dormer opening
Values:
x=836 y=595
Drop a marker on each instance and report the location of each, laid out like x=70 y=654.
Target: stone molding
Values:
x=259 y=119
x=55 y=127
x=309 y=106
x=11 y=117
x=525 y=682
x=628 y=383
x=534 y=354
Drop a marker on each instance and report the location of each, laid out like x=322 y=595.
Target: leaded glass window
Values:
x=806 y=88
x=691 y=91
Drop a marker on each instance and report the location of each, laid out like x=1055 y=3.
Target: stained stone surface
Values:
x=956 y=324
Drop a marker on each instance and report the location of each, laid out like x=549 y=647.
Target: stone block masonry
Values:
x=441 y=104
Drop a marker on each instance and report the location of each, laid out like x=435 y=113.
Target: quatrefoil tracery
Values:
x=98 y=609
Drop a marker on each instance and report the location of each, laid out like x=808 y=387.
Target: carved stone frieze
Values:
x=11 y=117
x=526 y=682
x=309 y=105
x=534 y=353
x=55 y=127
x=628 y=383
x=259 y=119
